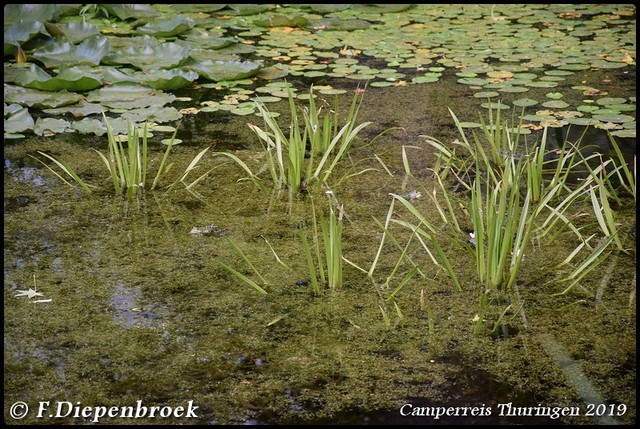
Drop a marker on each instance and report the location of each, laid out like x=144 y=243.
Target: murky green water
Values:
x=139 y=310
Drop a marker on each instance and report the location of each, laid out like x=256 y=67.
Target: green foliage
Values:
x=318 y=133
x=127 y=164
x=516 y=199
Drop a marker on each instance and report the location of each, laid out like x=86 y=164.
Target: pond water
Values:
x=134 y=307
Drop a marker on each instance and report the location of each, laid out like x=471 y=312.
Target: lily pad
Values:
x=555 y=104
x=171 y=142
x=153 y=113
x=50 y=125
x=40 y=99
x=496 y=106
x=583 y=121
x=225 y=70
x=486 y=94
x=126 y=11
x=90 y=126
x=18 y=121
x=281 y=21
x=80 y=109
x=150 y=55
x=513 y=89
x=542 y=84
x=166 y=79
x=167 y=28
x=74 y=31
x=616 y=119
x=129 y=96
x=605 y=101
x=624 y=133
x=91 y=51
x=472 y=81
x=335 y=24
x=72 y=79
x=267 y=99
x=554 y=95
x=21 y=32
x=587 y=108
x=243 y=111
x=524 y=102
x=38 y=12
x=379 y=84
x=427 y=78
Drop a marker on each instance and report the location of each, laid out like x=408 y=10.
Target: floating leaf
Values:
x=556 y=104
x=516 y=89
x=77 y=31
x=90 y=126
x=614 y=118
x=82 y=108
x=500 y=74
x=153 y=113
x=150 y=55
x=248 y=9
x=605 y=101
x=324 y=9
x=225 y=70
x=198 y=7
x=72 y=79
x=427 y=78
x=199 y=38
x=583 y=121
x=267 y=99
x=554 y=95
x=381 y=8
x=524 y=102
x=126 y=11
x=40 y=99
x=91 y=51
x=50 y=125
x=18 y=121
x=167 y=79
x=624 y=134
x=15 y=12
x=472 y=81
x=335 y=24
x=129 y=96
x=281 y=21
x=166 y=28
x=486 y=94
x=243 y=111
x=21 y=32
x=171 y=142
x=496 y=106
x=587 y=108
x=543 y=84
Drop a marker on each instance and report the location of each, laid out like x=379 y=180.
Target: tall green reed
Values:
x=128 y=163
x=328 y=254
x=517 y=196
x=308 y=153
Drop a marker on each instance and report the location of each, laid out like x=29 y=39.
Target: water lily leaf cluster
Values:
x=504 y=50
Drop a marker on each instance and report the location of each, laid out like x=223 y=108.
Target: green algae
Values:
x=140 y=311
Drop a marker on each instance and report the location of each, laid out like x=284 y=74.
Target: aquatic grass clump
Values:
x=128 y=164
x=513 y=202
x=306 y=155
x=323 y=253
x=329 y=253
